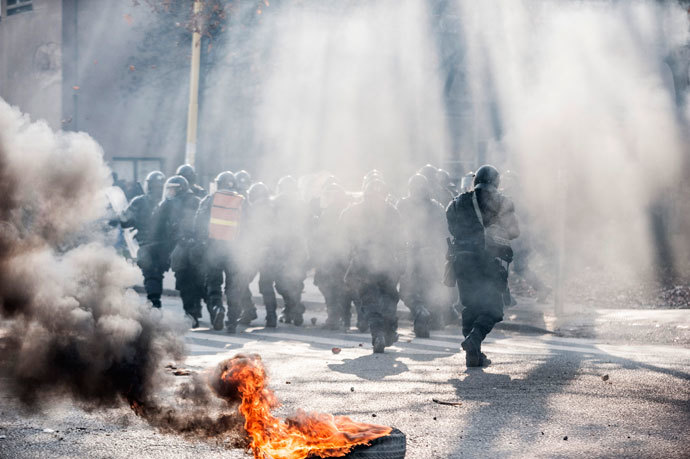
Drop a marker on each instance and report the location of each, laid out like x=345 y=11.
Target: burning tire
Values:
x=392 y=446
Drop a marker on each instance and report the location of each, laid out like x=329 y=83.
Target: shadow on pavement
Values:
x=504 y=401
x=371 y=367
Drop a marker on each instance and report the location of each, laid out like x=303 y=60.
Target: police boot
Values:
x=155 y=301
x=217 y=315
x=248 y=314
x=231 y=321
x=362 y=323
x=298 y=314
x=333 y=321
x=347 y=317
x=271 y=317
x=286 y=315
x=391 y=337
x=436 y=320
x=472 y=348
x=189 y=306
x=422 y=319
x=378 y=340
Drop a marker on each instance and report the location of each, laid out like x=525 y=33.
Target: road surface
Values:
x=542 y=395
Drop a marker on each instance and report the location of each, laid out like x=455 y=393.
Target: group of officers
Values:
x=369 y=250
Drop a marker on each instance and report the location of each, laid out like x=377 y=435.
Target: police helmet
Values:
x=258 y=191
x=429 y=171
x=155 y=181
x=443 y=178
x=487 y=175
x=244 y=180
x=175 y=186
x=373 y=174
x=418 y=187
x=187 y=172
x=287 y=184
x=375 y=189
x=226 y=181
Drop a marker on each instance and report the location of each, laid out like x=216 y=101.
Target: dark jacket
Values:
x=465 y=227
x=174 y=220
x=423 y=223
x=374 y=236
x=139 y=215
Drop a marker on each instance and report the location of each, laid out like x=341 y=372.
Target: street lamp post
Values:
x=193 y=112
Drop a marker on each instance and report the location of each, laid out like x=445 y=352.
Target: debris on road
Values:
x=313 y=320
x=48 y=431
x=565 y=438
x=605 y=378
x=182 y=372
x=443 y=402
x=336 y=350
x=352 y=389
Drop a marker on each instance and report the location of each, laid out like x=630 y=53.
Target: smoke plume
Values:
x=71 y=326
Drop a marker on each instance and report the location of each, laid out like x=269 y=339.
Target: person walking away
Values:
x=218 y=226
x=376 y=260
x=174 y=231
x=482 y=222
x=151 y=257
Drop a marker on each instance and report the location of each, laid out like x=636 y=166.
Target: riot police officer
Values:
x=424 y=230
x=244 y=181
x=329 y=255
x=218 y=227
x=174 y=231
x=189 y=174
x=439 y=193
x=259 y=242
x=376 y=260
x=290 y=253
x=446 y=184
x=482 y=222
x=151 y=258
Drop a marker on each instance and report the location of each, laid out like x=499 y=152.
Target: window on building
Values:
x=135 y=169
x=18 y=6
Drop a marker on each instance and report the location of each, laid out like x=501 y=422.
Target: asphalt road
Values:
x=542 y=396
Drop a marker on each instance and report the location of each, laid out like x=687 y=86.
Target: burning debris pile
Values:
x=300 y=436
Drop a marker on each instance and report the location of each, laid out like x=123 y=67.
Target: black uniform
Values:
x=478 y=262
x=259 y=241
x=221 y=258
x=289 y=254
x=174 y=230
x=330 y=257
x=376 y=263
x=248 y=307
x=152 y=257
x=424 y=230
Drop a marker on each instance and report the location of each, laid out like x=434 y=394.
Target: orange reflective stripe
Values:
x=226 y=216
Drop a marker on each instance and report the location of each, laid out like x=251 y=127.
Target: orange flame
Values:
x=298 y=437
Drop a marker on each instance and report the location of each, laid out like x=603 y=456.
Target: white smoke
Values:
x=584 y=97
